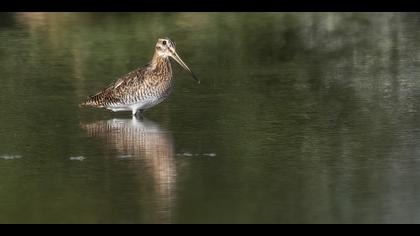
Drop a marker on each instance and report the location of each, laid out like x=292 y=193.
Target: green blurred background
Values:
x=300 y=118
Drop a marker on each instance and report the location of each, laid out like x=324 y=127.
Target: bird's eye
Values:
x=164 y=42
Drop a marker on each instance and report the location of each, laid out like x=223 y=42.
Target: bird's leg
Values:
x=139 y=114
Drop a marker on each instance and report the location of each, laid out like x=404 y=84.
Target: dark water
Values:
x=300 y=118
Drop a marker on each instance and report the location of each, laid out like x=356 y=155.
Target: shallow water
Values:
x=300 y=118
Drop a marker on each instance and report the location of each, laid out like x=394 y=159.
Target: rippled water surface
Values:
x=300 y=118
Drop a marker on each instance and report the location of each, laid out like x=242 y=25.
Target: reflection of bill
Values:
x=146 y=142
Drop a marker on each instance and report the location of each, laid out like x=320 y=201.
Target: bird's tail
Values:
x=84 y=104
x=90 y=102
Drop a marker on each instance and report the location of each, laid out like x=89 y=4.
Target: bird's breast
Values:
x=153 y=94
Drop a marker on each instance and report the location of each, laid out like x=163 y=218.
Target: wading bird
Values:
x=144 y=87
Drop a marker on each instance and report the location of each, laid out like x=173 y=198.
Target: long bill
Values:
x=182 y=63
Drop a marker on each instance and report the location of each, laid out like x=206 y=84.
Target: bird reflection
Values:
x=148 y=147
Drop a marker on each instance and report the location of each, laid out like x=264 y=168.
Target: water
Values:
x=300 y=118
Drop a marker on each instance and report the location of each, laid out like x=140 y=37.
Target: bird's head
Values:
x=166 y=48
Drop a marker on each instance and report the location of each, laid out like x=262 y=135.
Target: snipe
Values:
x=144 y=87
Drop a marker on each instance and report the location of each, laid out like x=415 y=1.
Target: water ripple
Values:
x=79 y=158
x=10 y=157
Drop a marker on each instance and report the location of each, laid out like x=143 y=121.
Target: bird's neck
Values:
x=161 y=63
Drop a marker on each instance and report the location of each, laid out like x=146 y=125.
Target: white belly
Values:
x=141 y=105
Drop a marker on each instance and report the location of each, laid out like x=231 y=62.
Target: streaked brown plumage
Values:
x=144 y=87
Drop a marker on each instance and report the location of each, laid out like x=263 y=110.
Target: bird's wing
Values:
x=115 y=91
